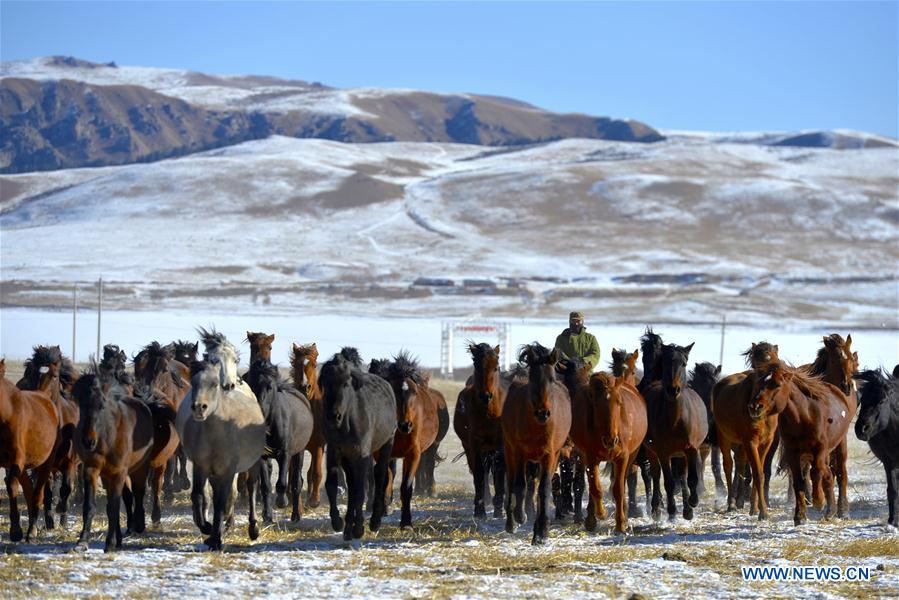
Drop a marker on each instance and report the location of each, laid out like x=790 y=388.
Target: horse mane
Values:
x=704 y=371
x=45 y=355
x=213 y=341
x=270 y=372
x=480 y=351
x=198 y=366
x=352 y=355
x=812 y=386
x=380 y=367
x=570 y=369
x=877 y=385
x=516 y=371
x=619 y=356
x=755 y=354
x=304 y=350
x=154 y=350
x=536 y=350
x=650 y=342
x=404 y=366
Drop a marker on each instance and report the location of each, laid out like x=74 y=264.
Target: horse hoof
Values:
x=214 y=544
x=254 y=531
x=763 y=516
x=510 y=526
x=80 y=547
x=337 y=523
x=295 y=517
x=15 y=535
x=281 y=502
x=48 y=523
x=405 y=523
x=693 y=500
x=313 y=503
x=688 y=513
x=359 y=528
x=590 y=524
x=538 y=540
x=374 y=524
x=480 y=512
x=206 y=528
x=497 y=512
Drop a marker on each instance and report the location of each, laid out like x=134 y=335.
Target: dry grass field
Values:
x=447 y=553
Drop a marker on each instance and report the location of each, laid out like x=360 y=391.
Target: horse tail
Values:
x=457 y=457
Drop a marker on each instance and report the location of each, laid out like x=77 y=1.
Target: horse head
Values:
x=263 y=379
x=405 y=377
x=651 y=346
x=220 y=351
x=624 y=364
x=185 y=352
x=703 y=378
x=260 y=346
x=92 y=401
x=541 y=363
x=878 y=399
x=43 y=369
x=208 y=386
x=674 y=369
x=837 y=362
x=770 y=391
x=339 y=380
x=485 y=359
x=303 y=360
x=758 y=356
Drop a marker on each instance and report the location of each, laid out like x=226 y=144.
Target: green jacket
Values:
x=583 y=345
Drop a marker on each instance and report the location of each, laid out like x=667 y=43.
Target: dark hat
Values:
x=575 y=314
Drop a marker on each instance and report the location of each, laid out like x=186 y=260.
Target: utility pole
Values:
x=74 y=318
x=99 y=313
x=723 y=326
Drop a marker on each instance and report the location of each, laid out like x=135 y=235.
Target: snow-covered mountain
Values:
x=680 y=230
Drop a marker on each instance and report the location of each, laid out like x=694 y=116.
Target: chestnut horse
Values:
x=814 y=423
x=29 y=426
x=303 y=361
x=624 y=365
x=678 y=426
x=418 y=424
x=158 y=381
x=476 y=421
x=536 y=420
x=608 y=422
x=114 y=440
x=746 y=413
x=65 y=459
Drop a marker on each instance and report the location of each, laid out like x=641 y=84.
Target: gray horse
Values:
x=222 y=431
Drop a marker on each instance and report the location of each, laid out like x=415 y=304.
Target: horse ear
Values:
x=718 y=370
x=496 y=349
x=196 y=346
x=271 y=338
x=688 y=348
x=896 y=372
x=636 y=354
x=776 y=349
x=249 y=335
x=554 y=356
x=356 y=380
x=848 y=340
x=294 y=346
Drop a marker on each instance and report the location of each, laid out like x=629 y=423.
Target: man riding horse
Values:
x=575 y=342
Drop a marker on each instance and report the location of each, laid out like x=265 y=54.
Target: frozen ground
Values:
x=449 y=554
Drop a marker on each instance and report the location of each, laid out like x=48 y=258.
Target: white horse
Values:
x=222 y=430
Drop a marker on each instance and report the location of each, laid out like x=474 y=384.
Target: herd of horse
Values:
x=540 y=431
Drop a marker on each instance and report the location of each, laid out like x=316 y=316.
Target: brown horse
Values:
x=608 y=422
x=114 y=440
x=260 y=346
x=624 y=365
x=418 y=423
x=814 y=424
x=746 y=414
x=476 y=421
x=158 y=381
x=678 y=426
x=176 y=478
x=65 y=459
x=536 y=420
x=303 y=361
x=29 y=426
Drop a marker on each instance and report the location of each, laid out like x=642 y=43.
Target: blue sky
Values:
x=702 y=65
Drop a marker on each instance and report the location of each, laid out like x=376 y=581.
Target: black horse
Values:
x=288 y=422
x=360 y=422
x=878 y=424
x=703 y=378
x=176 y=477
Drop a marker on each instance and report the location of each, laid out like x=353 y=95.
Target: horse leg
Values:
x=114 y=485
x=157 y=482
x=184 y=481
x=656 y=471
x=670 y=483
x=42 y=475
x=281 y=484
x=499 y=483
x=356 y=474
x=769 y=460
x=168 y=485
x=840 y=456
x=48 y=504
x=198 y=501
x=892 y=473
x=314 y=476
x=139 y=488
x=511 y=488
x=380 y=476
x=12 y=490
x=295 y=483
x=391 y=478
x=410 y=467
x=704 y=451
x=758 y=479
x=65 y=490
x=252 y=483
x=478 y=466
x=579 y=491
x=795 y=464
x=531 y=472
x=128 y=501
x=728 y=460
x=595 y=500
x=331 y=488
x=716 y=470
x=265 y=489
x=221 y=489
x=694 y=479
x=87 y=515
x=541 y=521
x=619 y=470
x=632 y=509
